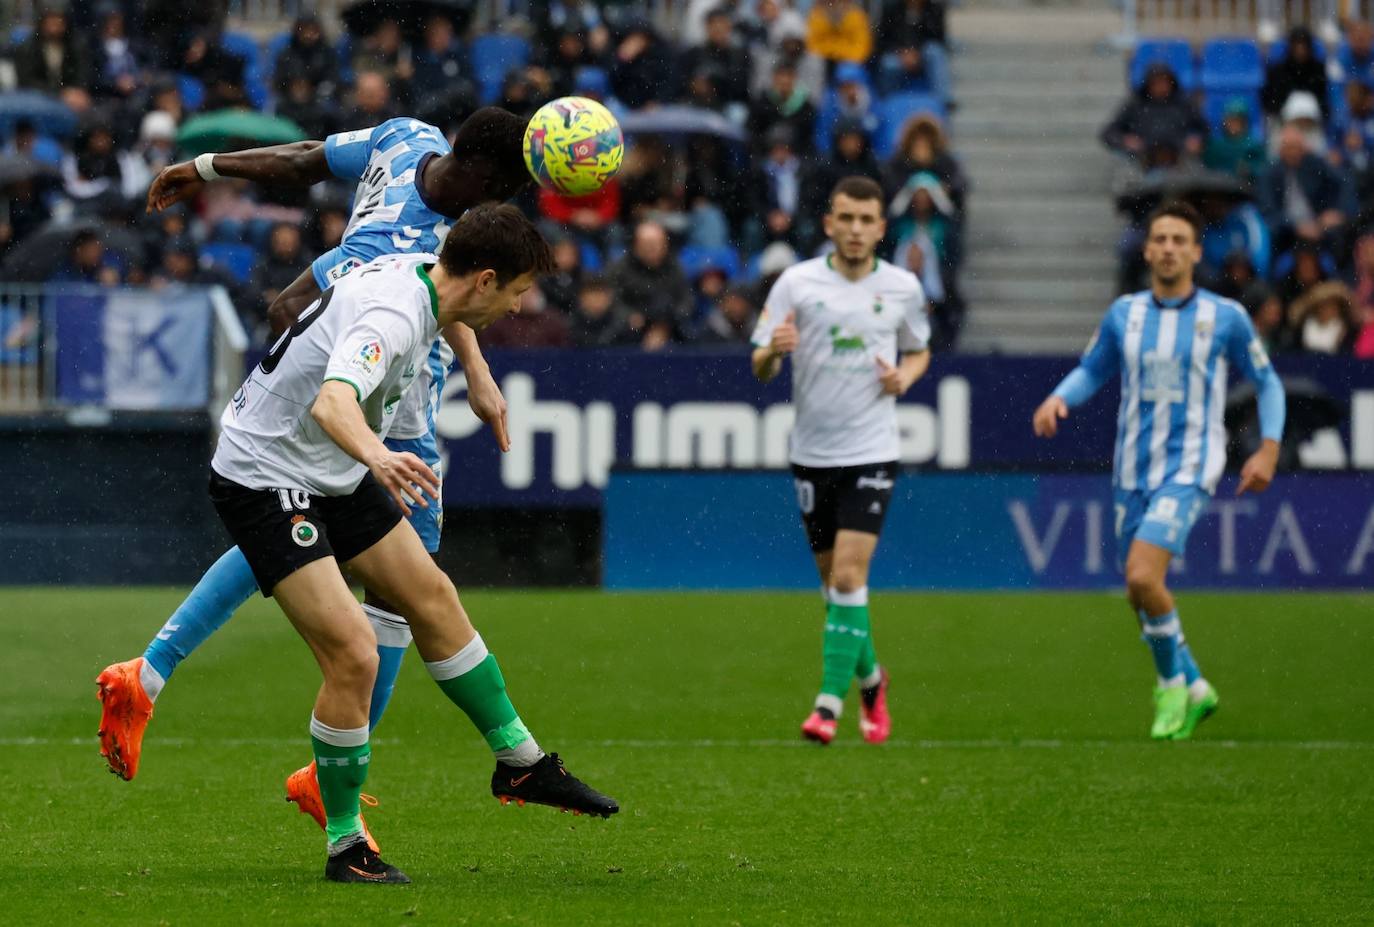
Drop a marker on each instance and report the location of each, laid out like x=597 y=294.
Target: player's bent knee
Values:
x=353 y=665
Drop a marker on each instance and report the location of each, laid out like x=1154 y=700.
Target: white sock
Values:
x=872 y=680
x=1197 y=689
x=391 y=629
x=151 y=680
x=832 y=704
x=525 y=753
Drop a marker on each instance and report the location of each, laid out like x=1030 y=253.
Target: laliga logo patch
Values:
x=368 y=356
x=303 y=532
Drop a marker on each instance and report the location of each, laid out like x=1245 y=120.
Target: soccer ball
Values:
x=573 y=146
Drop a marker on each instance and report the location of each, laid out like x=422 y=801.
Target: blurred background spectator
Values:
x=680 y=248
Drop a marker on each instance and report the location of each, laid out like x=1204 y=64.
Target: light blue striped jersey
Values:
x=1173 y=361
x=392 y=216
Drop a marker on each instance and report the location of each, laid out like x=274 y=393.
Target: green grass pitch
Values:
x=1019 y=786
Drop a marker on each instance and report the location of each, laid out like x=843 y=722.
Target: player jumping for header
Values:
x=411 y=186
x=305 y=485
x=844 y=318
x=1172 y=345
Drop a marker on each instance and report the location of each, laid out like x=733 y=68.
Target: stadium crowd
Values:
x=679 y=249
x=1276 y=148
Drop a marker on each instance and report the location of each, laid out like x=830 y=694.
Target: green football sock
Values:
x=341 y=761
x=472 y=680
x=868 y=660
x=846 y=635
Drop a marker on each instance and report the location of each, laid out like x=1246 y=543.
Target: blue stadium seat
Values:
x=493 y=57
x=1283 y=265
x=246 y=47
x=590 y=256
x=344 y=49
x=1231 y=65
x=1176 y=53
x=1215 y=104
x=1278 y=50
x=238 y=260
x=275 y=46
x=696 y=261
x=20 y=34
x=894 y=112
x=192 y=92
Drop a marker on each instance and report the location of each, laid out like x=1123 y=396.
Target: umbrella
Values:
x=681 y=120
x=234 y=129
x=1310 y=409
x=363 y=17
x=48 y=115
x=38 y=256
x=1185 y=183
x=16 y=169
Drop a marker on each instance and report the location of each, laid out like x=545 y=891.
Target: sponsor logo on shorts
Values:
x=879 y=482
x=303 y=533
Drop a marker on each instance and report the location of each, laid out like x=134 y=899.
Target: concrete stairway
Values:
x=1035 y=85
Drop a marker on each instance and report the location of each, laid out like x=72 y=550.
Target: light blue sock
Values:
x=223 y=588
x=1186 y=663
x=1164 y=634
x=393 y=639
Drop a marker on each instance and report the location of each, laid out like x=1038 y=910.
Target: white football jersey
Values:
x=372 y=330
x=843 y=417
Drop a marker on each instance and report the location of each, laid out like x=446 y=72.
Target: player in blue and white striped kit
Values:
x=411 y=186
x=1173 y=346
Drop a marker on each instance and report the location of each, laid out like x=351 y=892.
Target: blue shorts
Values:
x=329 y=267
x=1162 y=517
x=427 y=522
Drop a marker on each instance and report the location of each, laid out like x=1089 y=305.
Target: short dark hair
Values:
x=857 y=188
x=491 y=142
x=499 y=238
x=1176 y=209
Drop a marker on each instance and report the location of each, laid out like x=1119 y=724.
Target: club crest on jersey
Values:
x=878 y=304
x=368 y=357
x=303 y=533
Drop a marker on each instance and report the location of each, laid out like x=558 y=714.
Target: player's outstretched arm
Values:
x=484 y=396
x=299 y=164
x=406 y=477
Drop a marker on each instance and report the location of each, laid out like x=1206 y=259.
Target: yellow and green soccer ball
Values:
x=573 y=146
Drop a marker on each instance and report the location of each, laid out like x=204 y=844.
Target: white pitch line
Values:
x=761 y=744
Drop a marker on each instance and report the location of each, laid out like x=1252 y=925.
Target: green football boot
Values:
x=1171 y=711
x=1199 y=710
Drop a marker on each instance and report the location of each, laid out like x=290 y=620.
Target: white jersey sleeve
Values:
x=381 y=337
x=775 y=310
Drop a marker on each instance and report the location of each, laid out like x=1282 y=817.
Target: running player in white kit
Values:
x=845 y=318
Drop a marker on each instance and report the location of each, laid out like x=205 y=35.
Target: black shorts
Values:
x=282 y=530
x=850 y=498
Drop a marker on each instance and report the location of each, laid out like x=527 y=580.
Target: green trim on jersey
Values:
x=355 y=386
x=830 y=262
x=433 y=294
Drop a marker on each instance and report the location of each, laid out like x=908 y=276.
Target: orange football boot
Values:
x=303 y=788
x=124 y=715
